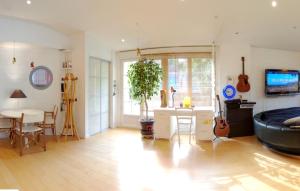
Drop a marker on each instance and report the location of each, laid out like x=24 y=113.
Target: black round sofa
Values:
x=270 y=130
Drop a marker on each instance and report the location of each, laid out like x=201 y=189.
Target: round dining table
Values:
x=30 y=116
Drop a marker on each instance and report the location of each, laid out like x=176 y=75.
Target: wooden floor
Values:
x=120 y=160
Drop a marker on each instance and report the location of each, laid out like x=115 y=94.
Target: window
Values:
x=202 y=87
x=178 y=78
x=131 y=107
x=190 y=75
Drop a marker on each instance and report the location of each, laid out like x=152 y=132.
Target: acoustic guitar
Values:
x=221 y=128
x=243 y=84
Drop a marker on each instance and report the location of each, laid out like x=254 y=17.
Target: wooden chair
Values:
x=26 y=131
x=184 y=117
x=50 y=121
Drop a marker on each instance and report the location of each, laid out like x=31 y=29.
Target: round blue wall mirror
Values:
x=41 y=77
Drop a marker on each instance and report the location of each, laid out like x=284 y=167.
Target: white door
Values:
x=98 y=99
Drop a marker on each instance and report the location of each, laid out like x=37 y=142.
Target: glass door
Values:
x=104 y=95
x=98 y=98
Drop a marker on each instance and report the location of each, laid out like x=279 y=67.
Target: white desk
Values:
x=165 y=123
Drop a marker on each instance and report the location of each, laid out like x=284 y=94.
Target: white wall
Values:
x=78 y=63
x=33 y=42
x=84 y=45
x=229 y=64
x=114 y=98
x=16 y=76
x=95 y=48
x=31 y=33
x=257 y=60
x=272 y=59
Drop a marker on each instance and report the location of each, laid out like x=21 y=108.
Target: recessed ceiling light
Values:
x=28 y=2
x=182 y=0
x=274 y=3
x=123 y=40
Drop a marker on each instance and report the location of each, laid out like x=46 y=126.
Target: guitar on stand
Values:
x=221 y=128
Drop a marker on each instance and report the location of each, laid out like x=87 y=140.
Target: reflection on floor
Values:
x=120 y=160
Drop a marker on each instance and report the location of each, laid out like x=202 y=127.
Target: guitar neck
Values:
x=220 y=109
x=243 y=60
x=220 y=112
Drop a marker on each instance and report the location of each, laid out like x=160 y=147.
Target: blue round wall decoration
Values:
x=229 y=92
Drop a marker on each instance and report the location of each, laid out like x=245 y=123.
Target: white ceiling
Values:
x=168 y=22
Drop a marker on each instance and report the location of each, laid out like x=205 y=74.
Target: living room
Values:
x=72 y=116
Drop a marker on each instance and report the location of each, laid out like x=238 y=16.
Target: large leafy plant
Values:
x=144 y=81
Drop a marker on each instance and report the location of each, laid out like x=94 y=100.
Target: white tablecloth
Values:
x=30 y=115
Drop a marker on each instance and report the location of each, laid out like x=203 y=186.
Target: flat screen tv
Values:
x=281 y=82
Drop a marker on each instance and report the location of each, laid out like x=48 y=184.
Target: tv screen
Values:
x=281 y=82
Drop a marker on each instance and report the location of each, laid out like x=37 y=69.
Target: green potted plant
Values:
x=144 y=81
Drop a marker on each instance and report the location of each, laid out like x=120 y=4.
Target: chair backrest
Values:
x=55 y=110
x=20 y=122
x=50 y=117
x=184 y=114
x=25 y=119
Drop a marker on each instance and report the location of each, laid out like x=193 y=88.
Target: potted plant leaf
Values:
x=144 y=79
